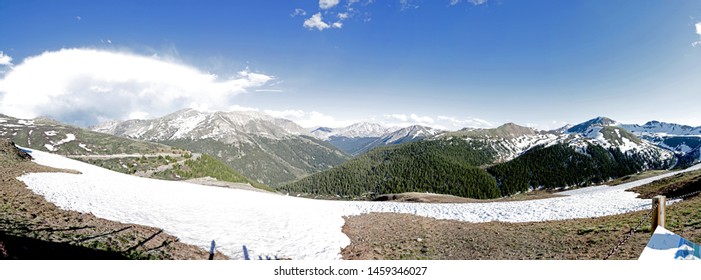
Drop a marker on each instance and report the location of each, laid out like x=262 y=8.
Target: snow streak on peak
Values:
x=595 y=122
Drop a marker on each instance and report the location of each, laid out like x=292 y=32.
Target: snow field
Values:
x=272 y=224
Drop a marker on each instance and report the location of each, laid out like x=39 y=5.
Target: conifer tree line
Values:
x=561 y=166
x=440 y=166
x=465 y=168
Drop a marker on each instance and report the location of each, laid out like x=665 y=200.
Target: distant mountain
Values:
x=609 y=134
x=561 y=129
x=509 y=140
x=131 y=156
x=356 y=130
x=676 y=138
x=322 y=133
x=403 y=135
x=682 y=139
x=361 y=137
x=51 y=136
x=596 y=122
x=194 y=125
x=518 y=159
x=662 y=128
x=267 y=149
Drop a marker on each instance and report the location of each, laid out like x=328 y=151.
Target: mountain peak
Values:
x=595 y=122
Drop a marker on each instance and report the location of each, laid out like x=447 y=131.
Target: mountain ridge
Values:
x=267 y=149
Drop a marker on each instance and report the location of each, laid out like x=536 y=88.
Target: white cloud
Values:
x=456 y=123
x=298 y=12
x=343 y=16
x=309 y=119
x=404 y=120
x=420 y=119
x=327 y=4
x=286 y=113
x=698 y=32
x=398 y=117
x=137 y=115
x=316 y=22
x=85 y=86
x=5 y=59
x=241 y=108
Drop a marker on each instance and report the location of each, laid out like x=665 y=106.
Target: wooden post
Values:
x=658 y=215
x=211 y=250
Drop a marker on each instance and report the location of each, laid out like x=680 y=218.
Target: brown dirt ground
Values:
x=32 y=228
x=403 y=236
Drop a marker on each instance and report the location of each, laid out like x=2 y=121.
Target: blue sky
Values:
x=442 y=63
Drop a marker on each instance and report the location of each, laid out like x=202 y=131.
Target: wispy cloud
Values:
x=87 y=86
x=408 y=4
x=5 y=59
x=462 y=123
x=241 y=108
x=298 y=12
x=309 y=119
x=404 y=120
x=397 y=117
x=269 y=90
x=473 y=2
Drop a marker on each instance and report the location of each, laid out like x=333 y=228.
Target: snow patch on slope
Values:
x=85 y=147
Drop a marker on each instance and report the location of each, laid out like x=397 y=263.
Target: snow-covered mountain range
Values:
x=511 y=140
x=267 y=149
x=356 y=130
x=362 y=137
x=228 y=127
x=275 y=150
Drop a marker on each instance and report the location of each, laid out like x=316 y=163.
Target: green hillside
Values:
x=207 y=166
x=441 y=166
x=462 y=168
x=270 y=161
x=560 y=166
